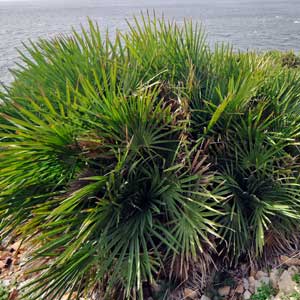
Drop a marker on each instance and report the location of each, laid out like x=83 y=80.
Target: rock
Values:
x=265 y=280
x=2 y=264
x=4 y=255
x=247 y=295
x=224 y=291
x=5 y=282
x=16 y=246
x=286 y=284
x=190 y=294
x=232 y=293
x=239 y=289
x=260 y=274
x=279 y=296
x=203 y=297
x=246 y=283
x=289 y=261
x=252 y=282
x=274 y=278
x=293 y=270
x=261 y=282
x=252 y=272
x=258 y=284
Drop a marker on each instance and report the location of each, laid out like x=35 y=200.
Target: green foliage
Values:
x=4 y=293
x=132 y=160
x=296 y=278
x=292 y=296
x=265 y=292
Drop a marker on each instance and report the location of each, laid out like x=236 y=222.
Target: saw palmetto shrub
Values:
x=147 y=157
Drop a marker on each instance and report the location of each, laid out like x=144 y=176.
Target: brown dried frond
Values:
x=196 y=160
x=93 y=146
x=277 y=244
x=186 y=269
x=78 y=183
x=178 y=106
x=193 y=275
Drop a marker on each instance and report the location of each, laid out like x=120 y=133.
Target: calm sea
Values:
x=259 y=24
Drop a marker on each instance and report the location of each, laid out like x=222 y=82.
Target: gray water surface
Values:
x=247 y=24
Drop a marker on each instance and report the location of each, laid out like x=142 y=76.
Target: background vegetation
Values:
x=148 y=157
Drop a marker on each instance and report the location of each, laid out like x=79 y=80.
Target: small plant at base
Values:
x=293 y=296
x=4 y=294
x=296 y=278
x=263 y=293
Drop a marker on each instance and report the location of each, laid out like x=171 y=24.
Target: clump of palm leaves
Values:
x=133 y=160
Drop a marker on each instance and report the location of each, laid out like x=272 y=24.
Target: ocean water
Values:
x=247 y=24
